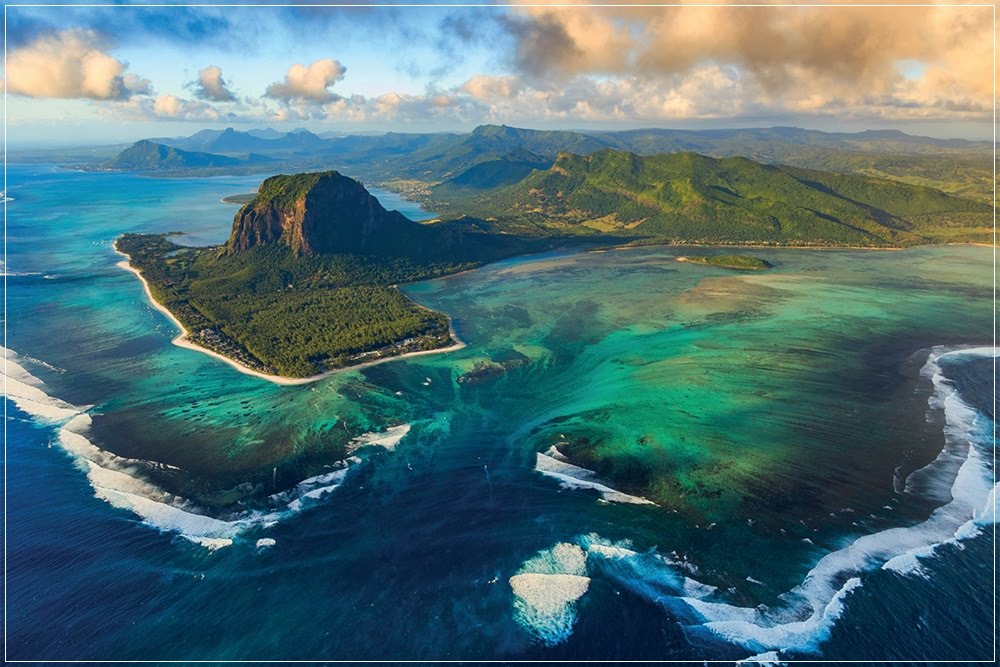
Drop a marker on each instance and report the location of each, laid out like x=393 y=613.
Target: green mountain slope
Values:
x=952 y=165
x=413 y=161
x=326 y=213
x=149 y=156
x=496 y=173
x=693 y=198
x=145 y=155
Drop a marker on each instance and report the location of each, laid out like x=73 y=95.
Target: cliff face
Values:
x=322 y=213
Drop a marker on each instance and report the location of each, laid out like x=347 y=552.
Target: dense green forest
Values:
x=692 y=198
x=307 y=280
x=294 y=316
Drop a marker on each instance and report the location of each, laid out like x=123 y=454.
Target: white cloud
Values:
x=71 y=64
x=815 y=60
x=308 y=82
x=136 y=85
x=173 y=107
x=486 y=88
x=166 y=107
x=211 y=86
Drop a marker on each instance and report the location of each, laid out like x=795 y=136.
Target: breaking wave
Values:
x=120 y=481
x=546 y=589
x=548 y=585
x=554 y=464
x=809 y=611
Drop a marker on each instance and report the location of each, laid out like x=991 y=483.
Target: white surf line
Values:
x=812 y=608
x=182 y=340
x=570 y=476
x=546 y=588
x=833 y=578
x=120 y=482
x=388 y=440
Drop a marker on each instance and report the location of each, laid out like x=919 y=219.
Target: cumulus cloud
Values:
x=71 y=64
x=604 y=63
x=711 y=91
x=173 y=107
x=310 y=83
x=170 y=107
x=485 y=88
x=136 y=85
x=211 y=86
x=808 y=58
x=549 y=40
x=708 y=92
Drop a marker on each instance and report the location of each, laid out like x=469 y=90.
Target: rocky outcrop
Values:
x=323 y=213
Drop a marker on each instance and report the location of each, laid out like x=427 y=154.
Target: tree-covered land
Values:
x=306 y=281
x=692 y=198
x=744 y=262
x=293 y=316
x=411 y=163
x=239 y=199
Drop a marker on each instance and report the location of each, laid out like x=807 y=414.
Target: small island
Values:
x=740 y=262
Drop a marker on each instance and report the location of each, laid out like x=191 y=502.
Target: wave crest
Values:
x=120 y=481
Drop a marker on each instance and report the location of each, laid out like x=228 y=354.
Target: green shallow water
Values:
x=769 y=415
x=780 y=398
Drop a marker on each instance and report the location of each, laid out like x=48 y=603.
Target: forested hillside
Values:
x=687 y=197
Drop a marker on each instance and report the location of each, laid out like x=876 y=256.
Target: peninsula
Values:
x=305 y=284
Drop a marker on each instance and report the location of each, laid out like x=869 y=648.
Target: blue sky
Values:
x=97 y=74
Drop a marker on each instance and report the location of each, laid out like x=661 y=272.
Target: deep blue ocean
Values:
x=847 y=494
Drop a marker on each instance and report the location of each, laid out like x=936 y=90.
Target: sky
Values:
x=86 y=75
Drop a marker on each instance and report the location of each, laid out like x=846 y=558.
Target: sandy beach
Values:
x=181 y=340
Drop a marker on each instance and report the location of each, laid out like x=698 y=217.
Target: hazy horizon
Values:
x=16 y=143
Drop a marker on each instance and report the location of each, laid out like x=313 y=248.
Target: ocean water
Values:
x=794 y=464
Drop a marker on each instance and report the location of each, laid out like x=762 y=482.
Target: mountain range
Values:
x=690 y=197
x=150 y=156
x=952 y=165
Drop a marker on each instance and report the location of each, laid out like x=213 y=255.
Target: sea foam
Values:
x=120 y=481
x=547 y=586
x=818 y=602
x=546 y=589
x=814 y=606
x=387 y=440
x=810 y=610
x=552 y=464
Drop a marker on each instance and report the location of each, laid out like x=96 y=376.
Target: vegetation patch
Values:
x=744 y=262
x=280 y=314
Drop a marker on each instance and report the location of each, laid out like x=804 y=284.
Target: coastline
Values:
x=784 y=247
x=731 y=246
x=181 y=340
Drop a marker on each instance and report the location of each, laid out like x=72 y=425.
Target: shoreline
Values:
x=759 y=246
x=181 y=340
x=787 y=247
